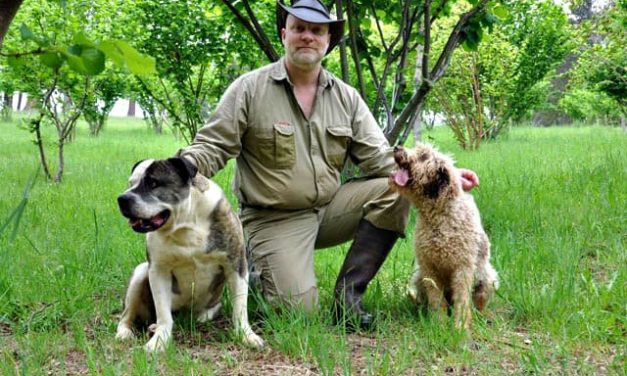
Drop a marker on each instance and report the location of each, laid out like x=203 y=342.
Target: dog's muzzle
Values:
x=400 y=177
x=142 y=225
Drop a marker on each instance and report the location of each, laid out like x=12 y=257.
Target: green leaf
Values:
x=75 y=49
x=26 y=33
x=81 y=39
x=75 y=63
x=125 y=56
x=15 y=62
x=85 y=60
x=93 y=60
x=500 y=11
x=53 y=60
x=365 y=23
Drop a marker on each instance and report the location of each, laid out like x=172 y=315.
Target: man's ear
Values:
x=183 y=167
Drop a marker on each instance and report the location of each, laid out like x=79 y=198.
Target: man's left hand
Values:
x=469 y=179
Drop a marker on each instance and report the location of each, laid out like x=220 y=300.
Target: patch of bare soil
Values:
x=241 y=361
x=74 y=363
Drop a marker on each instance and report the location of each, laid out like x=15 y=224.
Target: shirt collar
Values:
x=279 y=73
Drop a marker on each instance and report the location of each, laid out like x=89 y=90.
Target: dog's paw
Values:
x=209 y=314
x=412 y=294
x=159 y=340
x=254 y=340
x=155 y=345
x=124 y=333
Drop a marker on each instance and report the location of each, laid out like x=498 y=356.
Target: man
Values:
x=291 y=126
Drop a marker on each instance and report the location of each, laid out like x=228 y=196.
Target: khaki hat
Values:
x=311 y=11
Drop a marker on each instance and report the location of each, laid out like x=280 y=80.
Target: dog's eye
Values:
x=151 y=183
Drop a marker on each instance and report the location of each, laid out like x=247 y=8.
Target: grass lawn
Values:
x=553 y=201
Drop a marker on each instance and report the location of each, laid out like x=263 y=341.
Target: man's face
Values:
x=305 y=43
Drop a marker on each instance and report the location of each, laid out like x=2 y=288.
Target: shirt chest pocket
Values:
x=274 y=147
x=284 y=146
x=337 y=143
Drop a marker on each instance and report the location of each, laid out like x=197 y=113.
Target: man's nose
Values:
x=307 y=35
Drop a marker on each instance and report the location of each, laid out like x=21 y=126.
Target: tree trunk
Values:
x=131 y=108
x=7 y=106
x=8 y=100
x=59 y=176
x=19 y=101
x=7 y=12
x=418 y=78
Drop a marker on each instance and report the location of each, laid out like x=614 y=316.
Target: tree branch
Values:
x=8 y=10
x=263 y=43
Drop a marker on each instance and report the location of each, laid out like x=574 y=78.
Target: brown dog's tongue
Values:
x=401 y=177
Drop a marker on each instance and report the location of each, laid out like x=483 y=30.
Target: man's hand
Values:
x=469 y=179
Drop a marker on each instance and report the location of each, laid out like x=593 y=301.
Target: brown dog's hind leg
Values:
x=461 y=285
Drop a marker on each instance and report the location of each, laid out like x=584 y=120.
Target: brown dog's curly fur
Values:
x=452 y=249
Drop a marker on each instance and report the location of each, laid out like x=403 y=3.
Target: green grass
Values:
x=553 y=201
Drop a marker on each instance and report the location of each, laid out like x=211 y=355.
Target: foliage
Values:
x=197 y=53
x=102 y=93
x=540 y=31
x=589 y=106
x=61 y=55
x=506 y=77
x=601 y=66
x=474 y=94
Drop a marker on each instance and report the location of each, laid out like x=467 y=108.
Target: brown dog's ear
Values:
x=183 y=167
x=433 y=188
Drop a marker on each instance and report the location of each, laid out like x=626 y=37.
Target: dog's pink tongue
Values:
x=401 y=177
x=157 y=221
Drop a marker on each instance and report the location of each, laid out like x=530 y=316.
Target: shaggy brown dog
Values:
x=452 y=249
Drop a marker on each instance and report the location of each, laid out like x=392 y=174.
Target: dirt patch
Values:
x=74 y=363
x=244 y=362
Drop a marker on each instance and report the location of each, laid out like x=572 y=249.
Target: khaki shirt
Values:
x=284 y=160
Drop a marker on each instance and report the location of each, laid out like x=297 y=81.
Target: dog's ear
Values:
x=183 y=167
x=136 y=164
x=438 y=183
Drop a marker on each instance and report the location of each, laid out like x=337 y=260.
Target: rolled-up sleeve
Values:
x=370 y=150
x=220 y=138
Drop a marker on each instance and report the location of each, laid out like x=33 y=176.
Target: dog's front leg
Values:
x=133 y=304
x=161 y=286
x=238 y=286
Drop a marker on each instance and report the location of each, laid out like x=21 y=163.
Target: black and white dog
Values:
x=194 y=244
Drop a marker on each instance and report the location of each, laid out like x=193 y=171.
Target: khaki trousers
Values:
x=283 y=241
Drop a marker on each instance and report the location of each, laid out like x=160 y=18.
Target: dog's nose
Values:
x=397 y=148
x=124 y=202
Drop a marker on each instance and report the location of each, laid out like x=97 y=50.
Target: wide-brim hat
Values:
x=311 y=11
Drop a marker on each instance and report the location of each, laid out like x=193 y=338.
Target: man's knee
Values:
x=389 y=211
x=287 y=286
x=307 y=301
